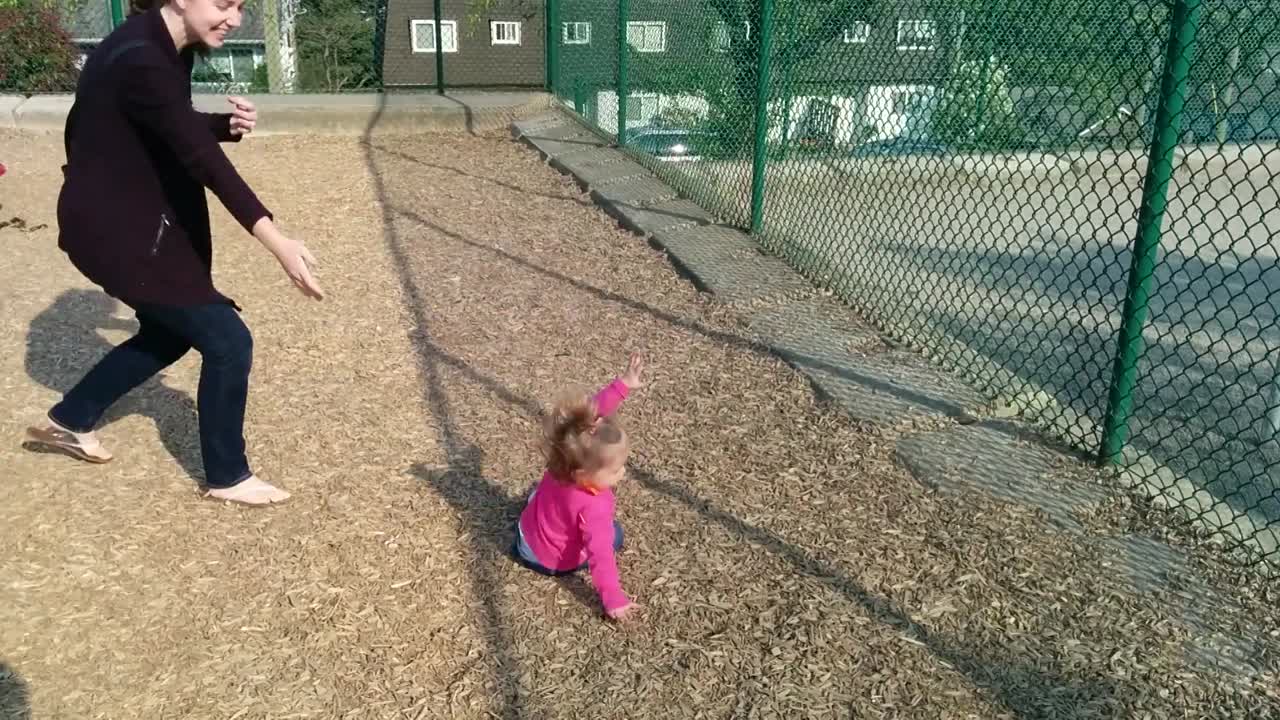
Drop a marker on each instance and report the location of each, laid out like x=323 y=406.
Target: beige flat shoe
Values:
x=81 y=446
x=251 y=491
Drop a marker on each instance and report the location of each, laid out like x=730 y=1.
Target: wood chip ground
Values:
x=787 y=566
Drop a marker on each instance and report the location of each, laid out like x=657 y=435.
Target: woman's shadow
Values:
x=63 y=343
x=15 y=699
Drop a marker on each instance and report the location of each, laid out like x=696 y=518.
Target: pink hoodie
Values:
x=565 y=524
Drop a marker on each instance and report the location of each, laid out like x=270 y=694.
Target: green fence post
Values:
x=269 y=11
x=554 y=38
x=379 y=45
x=763 y=51
x=1155 y=199
x=624 y=10
x=440 y=48
x=117 y=12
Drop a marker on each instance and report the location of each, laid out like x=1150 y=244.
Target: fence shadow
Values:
x=460 y=481
x=15 y=697
x=1018 y=687
x=799 y=359
x=490 y=515
x=382 y=148
x=1189 y=401
x=63 y=344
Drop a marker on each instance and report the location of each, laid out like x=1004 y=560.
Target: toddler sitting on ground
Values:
x=568 y=523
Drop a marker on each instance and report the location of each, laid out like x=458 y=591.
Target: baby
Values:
x=568 y=524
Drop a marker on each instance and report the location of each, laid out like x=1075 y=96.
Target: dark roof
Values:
x=92 y=21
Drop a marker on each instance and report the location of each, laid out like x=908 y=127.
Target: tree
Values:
x=36 y=53
x=478 y=9
x=977 y=107
x=1097 y=58
x=1107 y=56
x=336 y=45
x=1230 y=55
x=803 y=29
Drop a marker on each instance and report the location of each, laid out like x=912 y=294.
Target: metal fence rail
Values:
x=1072 y=203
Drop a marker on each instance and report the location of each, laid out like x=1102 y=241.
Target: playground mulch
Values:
x=786 y=565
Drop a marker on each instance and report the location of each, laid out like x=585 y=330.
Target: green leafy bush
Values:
x=36 y=53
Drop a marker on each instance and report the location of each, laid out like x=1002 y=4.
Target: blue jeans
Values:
x=165 y=334
x=538 y=567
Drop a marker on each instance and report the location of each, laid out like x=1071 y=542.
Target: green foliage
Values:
x=36 y=53
x=336 y=45
x=479 y=10
x=1102 y=53
x=203 y=72
x=261 y=80
x=977 y=108
x=803 y=30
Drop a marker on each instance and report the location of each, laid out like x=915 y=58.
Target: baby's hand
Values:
x=625 y=613
x=634 y=368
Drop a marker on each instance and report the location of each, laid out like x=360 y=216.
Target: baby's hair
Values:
x=574 y=437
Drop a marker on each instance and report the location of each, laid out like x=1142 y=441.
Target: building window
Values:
x=901 y=100
x=641 y=108
x=647 y=36
x=722 y=39
x=504 y=32
x=424 y=35
x=917 y=34
x=577 y=33
x=908 y=101
x=858 y=33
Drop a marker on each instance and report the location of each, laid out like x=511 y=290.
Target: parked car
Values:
x=669 y=145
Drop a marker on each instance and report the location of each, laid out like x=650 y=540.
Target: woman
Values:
x=134 y=220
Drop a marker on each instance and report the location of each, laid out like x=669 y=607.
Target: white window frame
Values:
x=493 y=31
x=430 y=26
x=931 y=24
x=644 y=25
x=636 y=101
x=857 y=38
x=584 y=36
x=722 y=38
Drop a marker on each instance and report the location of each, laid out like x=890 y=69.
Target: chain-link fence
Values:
x=1072 y=203
x=44 y=43
x=301 y=46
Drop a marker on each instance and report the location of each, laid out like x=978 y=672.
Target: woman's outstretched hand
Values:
x=292 y=255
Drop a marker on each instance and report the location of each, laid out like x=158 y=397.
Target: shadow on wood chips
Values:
x=63 y=342
x=1022 y=690
x=15 y=700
